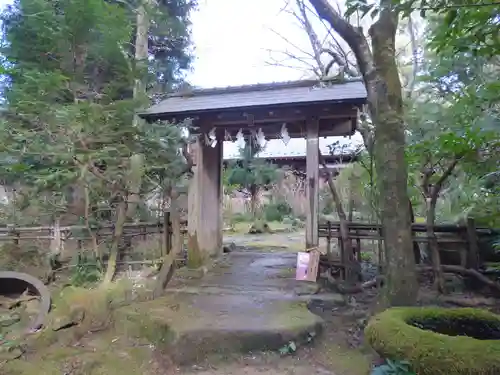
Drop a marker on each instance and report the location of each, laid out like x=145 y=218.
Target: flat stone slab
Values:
x=191 y=327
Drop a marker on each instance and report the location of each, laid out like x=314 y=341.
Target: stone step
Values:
x=267 y=292
x=189 y=327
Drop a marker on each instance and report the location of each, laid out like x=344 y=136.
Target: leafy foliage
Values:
x=455 y=118
x=454 y=114
x=170 y=43
x=68 y=119
x=464 y=27
x=86 y=270
x=470 y=27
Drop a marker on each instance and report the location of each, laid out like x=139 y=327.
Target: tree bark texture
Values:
x=380 y=74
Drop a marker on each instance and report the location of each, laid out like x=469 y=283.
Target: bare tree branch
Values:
x=314 y=60
x=293 y=44
x=313 y=37
x=414 y=54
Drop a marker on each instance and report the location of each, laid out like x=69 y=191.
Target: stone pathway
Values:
x=292 y=240
x=249 y=300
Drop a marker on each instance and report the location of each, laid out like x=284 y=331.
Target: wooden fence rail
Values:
x=109 y=227
x=461 y=239
x=82 y=233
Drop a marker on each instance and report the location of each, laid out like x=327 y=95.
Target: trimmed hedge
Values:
x=431 y=353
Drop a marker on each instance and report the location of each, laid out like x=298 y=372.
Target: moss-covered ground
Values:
x=109 y=339
x=108 y=331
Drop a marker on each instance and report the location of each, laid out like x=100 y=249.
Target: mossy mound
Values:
x=412 y=334
x=78 y=311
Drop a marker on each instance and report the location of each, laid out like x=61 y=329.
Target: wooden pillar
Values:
x=204 y=204
x=312 y=183
x=220 y=194
x=167 y=231
x=472 y=240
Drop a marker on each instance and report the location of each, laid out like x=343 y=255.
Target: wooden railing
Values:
x=82 y=232
x=458 y=238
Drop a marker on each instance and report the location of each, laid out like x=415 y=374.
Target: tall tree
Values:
x=378 y=68
x=70 y=106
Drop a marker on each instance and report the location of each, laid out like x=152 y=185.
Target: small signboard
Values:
x=307 y=266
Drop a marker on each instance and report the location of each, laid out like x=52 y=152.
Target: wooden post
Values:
x=357 y=248
x=463 y=247
x=329 y=239
x=472 y=240
x=159 y=229
x=381 y=258
x=343 y=260
x=16 y=235
x=312 y=187
x=167 y=232
x=97 y=238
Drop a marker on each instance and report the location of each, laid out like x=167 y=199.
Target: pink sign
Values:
x=302 y=266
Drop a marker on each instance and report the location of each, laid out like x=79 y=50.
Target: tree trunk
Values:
x=141 y=51
x=126 y=210
x=380 y=75
x=168 y=262
x=389 y=153
x=433 y=244
x=254 y=201
x=93 y=237
x=121 y=217
x=431 y=193
x=351 y=274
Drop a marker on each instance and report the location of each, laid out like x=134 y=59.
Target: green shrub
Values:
x=393 y=334
x=366 y=256
x=239 y=217
x=277 y=211
x=86 y=270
